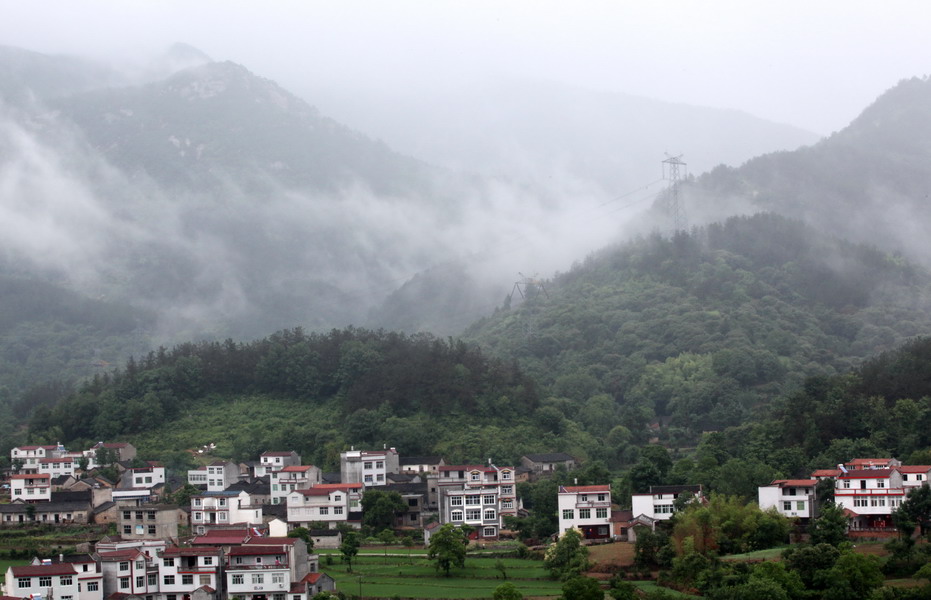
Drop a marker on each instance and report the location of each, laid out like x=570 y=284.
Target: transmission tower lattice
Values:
x=673 y=174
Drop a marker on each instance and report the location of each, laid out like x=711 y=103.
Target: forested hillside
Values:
x=700 y=331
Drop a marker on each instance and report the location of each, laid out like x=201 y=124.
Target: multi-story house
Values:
x=190 y=572
x=129 y=571
x=869 y=496
x=914 y=475
x=329 y=503
x=90 y=586
x=872 y=463
x=59 y=581
x=368 y=467
x=35 y=487
x=119 y=451
x=258 y=572
x=223 y=508
x=144 y=477
x=421 y=465
x=27 y=458
x=793 y=498
x=659 y=502
x=547 y=463
x=216 y=477
x=477 y=495
x=56 y=467
x=291 y=478
x=275 y=461
x=148 y=521
x=586 y=507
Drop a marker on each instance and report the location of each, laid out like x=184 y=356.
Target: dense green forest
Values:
x=701 y=331
x=722 y=329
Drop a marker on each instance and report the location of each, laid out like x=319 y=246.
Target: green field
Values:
x=418 y=578
x=651 y=586
x=5 y=564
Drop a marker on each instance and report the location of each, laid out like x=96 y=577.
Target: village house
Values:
x=36 y=487
x=368 y=467
x=547 y=463
x=329 y=503
x=128 y=571
x=56 y=467
x=275 y=461
x=587 y=508
x=215 y=477
x=119 y=451
x=223 y=508
x=60 y=581
x=794 y=498
x=914 y=475
x=659 y=503
x=190 y=573
x=420 y=465
x=869 y=496
x=25 y=459
x=148 y=521
x=477 y=495
x=263 y=572
x=291 y=478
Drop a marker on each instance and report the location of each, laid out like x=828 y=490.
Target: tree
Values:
x=582 y=588
x=507 y=591
x=567 y=557
x=830 y=527
x=448 y=547
x=379 y=508
x=853 y=576
x=350 y=547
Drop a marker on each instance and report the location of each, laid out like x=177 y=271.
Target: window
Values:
x=278 y=596
x=380 y=477
x=507 y=489
x=602 y=497
x=368 y=479
x=127 y=514
x=238 y=560
x=208 y=560
x=124 y=583
x=863 y=484
x=151 y=530
x=139 y=515
x=489 y=532
x=187 y=580
x=238 y=579
x=800 y=505
x=222 y=501
x=488 y=499
x=506 y=475
x=324 y=510
x=507 y=504
x=473 y=500
x=585 y=513
x=475 y=476
x=23 y=582
x=277 y=577
x=258 y=578
x=846 y=484
x=489 y=514
x=568 y=513
x=456 y=515
x=664 y=509
x=221 y=516
x=337 y=498
x=859 y=501
x=367 y=465
x=197 y=516
x=455 y=500
x=919 y=477
x=169 y=562
x=380 y=465
x=583 y=498
x=337 y=510
x=152 y=579
x=124 y=566
x=169 y=580
x=140 y=581
x=601 y=513
x=792 y=491
x=473 y=514
x=197 y=502
x=93 y=586
x=205 y=579
x=880 y=484
x=904 y=476
x=140 y=529
x=128 y=529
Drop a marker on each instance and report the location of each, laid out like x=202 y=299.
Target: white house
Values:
x=223 y=508
x=31 y=487
x=586 y=507
x=275 y=461
x=790 y=497
x=329 y=503
x=59 y=581
x=659 y=502
x=869 y=496
x=914 y=475
x=291 y=478
x=27 y=457
x=258 y=572
x=368 y=467
x=187 y=571
x=477 y=495
x=56 y=467
x=128 y=571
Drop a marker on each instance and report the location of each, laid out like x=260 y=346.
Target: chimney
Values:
x=575 y=481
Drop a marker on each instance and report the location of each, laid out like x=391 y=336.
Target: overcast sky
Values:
x=813 y=64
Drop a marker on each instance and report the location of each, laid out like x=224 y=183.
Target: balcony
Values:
x=593 y=504
x=263 y=567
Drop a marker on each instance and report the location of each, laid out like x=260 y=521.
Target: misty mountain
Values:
x=868 y=182
x=554 y=136
x=703 y=330
x=29 y=76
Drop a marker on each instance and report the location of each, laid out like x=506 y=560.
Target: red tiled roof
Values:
x=794 y=482
x=36 y=476
x=582 y=489
x=869 y=461
x=826 y=473
x=867 y=474
x=45 y=461
x=277 y=453
x=296 y=468
x=175 y=551
x=33 y=570
x=482 y=468
x=35 y=447
x=323 y=489
x=311 y=578
x=271 y=540
x=913 y=468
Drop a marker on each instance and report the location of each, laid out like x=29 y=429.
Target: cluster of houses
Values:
x=868 y=489
x=238 y=519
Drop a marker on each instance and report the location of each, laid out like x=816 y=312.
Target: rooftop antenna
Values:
x=671 y=173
